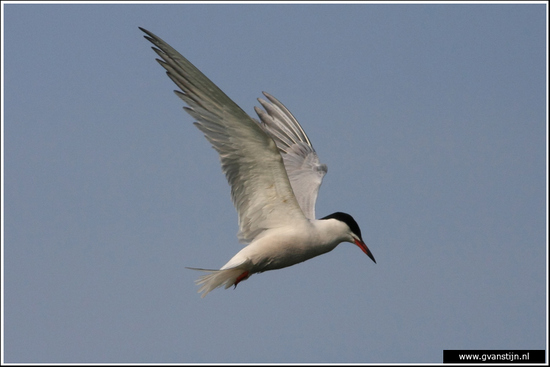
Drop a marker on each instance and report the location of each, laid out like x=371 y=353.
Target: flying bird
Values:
x=274 y=174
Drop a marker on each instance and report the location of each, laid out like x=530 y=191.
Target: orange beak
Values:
x=365 y=249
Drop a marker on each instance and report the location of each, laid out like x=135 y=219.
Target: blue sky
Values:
x=431 y=119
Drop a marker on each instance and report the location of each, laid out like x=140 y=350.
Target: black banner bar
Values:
x=494 y=356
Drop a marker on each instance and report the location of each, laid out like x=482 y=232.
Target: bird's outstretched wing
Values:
x=250 y=159
x=301 y=161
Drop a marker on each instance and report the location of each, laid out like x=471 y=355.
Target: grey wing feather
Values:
x=252 y=164
x=301 y=161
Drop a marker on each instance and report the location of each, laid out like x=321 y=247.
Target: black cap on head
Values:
x=348 y=219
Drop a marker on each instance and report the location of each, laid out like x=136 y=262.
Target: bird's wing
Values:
x=301 y=162
x=260 y=189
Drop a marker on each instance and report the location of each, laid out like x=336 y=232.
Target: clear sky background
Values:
x=431 y=119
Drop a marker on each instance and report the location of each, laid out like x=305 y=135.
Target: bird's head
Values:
x=354 y=231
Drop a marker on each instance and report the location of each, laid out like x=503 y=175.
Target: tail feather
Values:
x=216 y=278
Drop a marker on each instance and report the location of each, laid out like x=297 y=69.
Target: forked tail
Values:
x=217 y=278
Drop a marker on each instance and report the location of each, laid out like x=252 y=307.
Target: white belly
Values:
x=282 y=247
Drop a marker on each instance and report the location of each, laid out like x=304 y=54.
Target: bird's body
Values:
x=285 y=246
x=274 y=174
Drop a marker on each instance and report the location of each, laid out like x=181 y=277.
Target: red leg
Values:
x=243 y=276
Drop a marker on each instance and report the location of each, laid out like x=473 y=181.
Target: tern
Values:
x=274 y=174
